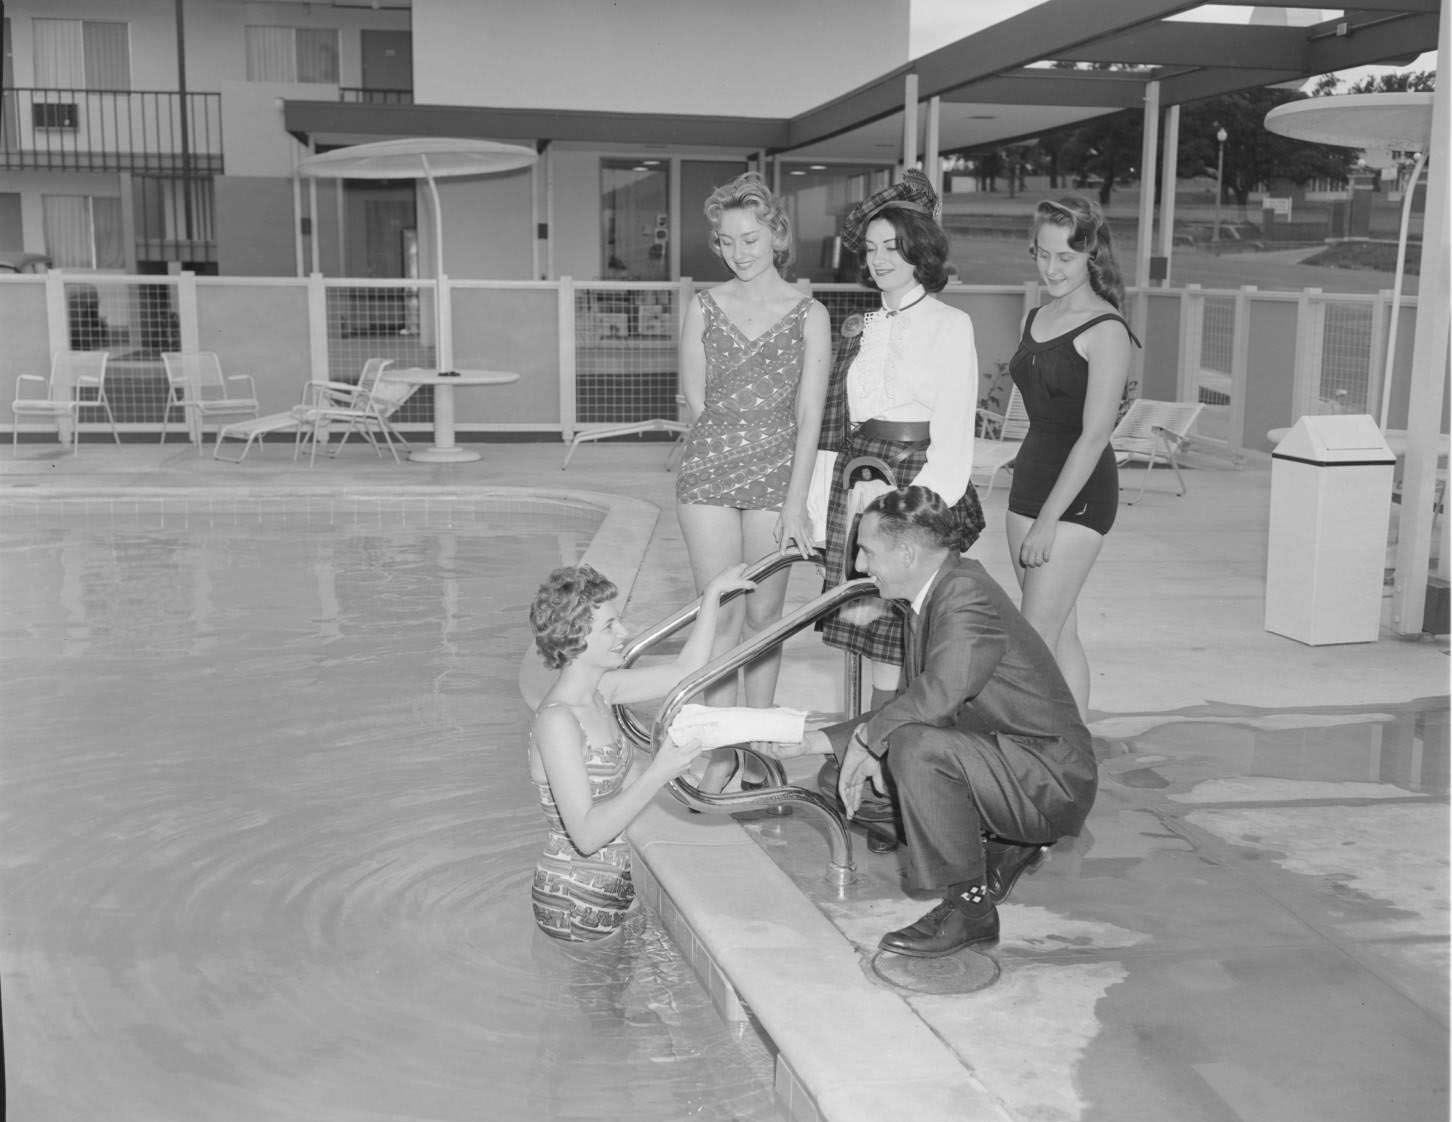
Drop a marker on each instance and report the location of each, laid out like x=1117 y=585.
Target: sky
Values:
x=936 y=23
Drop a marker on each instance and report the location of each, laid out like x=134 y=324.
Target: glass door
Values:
x=635 y=220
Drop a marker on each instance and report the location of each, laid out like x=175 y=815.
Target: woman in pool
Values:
x=1070 y=368
x=578 y=758
x=904 y=388
x=753 y=368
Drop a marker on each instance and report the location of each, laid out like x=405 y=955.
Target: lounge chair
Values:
x=1153 y=430
x=252 y=431
x=993 y=455
x=298 y=420
x=195 y=384
x=77 y=381
x=677 y=426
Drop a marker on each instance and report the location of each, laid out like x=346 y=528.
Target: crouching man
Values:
x=984 y=747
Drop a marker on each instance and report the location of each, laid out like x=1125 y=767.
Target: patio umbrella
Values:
x=426 y=158
x=1379 y=121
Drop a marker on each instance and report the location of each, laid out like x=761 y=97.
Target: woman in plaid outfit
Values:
x=903 y=389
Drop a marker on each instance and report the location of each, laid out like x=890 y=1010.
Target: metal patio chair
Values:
x=365 y=408
x=1153 y=430
x=77 y=381
x=996 y=455
x=196 y=385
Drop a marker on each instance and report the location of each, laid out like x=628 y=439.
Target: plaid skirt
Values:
x=870 y=626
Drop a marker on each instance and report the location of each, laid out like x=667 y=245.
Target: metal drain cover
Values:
x=964 y=972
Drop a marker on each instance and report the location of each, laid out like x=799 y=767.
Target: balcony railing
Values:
x=110 y=130
x=375 y=97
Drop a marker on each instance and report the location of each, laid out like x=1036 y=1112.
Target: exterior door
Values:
x=388 y=64
x=384 y=220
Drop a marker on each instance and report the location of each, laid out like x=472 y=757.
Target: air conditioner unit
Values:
x=54 y=115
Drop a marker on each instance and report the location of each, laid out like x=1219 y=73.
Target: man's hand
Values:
x=858 y=766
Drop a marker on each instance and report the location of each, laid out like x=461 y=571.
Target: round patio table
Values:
x=444 y=450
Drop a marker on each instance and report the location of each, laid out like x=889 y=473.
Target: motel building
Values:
x=156 y=155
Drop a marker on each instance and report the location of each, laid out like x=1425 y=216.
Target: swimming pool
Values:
x=269 y=829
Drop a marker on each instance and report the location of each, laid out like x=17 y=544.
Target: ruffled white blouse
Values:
x=921 y=364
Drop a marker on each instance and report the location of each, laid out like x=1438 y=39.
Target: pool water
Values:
x=269 y=834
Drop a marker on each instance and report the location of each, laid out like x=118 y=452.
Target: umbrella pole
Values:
x=443 y=352
x=1391 y=329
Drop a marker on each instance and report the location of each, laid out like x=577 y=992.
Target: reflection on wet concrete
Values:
x=955 y=974
x=269 y=834
x=1253 y=926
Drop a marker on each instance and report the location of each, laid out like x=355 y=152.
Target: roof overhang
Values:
x=331 y=124
x=1011 y=65
x=1008 y=82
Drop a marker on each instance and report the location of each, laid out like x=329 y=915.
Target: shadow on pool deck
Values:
x=1253 y=926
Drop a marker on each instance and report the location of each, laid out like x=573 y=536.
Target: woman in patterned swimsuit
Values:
x=1070 y=367
x=753 y=369
x=578 y=759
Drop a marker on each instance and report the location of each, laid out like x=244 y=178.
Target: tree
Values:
x=1404 y=81
x=988 y=165
x=1107 y=149
x=1253 y=154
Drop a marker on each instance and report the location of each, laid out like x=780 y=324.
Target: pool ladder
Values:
x=778 y=793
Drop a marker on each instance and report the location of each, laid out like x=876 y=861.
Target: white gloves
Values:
x=713 y=726
x=863 y=493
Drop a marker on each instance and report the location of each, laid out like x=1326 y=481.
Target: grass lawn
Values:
x=1367 y=255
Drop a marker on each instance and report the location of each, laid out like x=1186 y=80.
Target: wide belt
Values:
x=904 y=431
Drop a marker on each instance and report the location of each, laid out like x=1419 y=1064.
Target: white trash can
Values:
x=1331 y=487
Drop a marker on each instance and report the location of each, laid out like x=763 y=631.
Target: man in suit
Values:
x=984 y=746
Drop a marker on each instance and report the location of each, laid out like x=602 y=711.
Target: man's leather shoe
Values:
x=945 y=929
x=1006 y=863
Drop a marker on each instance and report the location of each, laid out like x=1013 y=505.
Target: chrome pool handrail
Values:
x=663 y=629
x=840 y=869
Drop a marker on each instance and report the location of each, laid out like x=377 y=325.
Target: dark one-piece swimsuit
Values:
x=1053 y=380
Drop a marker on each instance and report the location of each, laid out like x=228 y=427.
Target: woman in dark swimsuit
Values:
x=1070 y=368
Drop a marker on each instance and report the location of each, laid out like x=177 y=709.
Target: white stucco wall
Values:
x=750 y=58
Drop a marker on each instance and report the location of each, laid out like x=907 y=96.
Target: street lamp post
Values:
x=1221 y=136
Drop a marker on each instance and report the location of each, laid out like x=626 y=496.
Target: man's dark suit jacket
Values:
x=974 y=662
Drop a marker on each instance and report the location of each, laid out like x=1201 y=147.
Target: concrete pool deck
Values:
x=1254 y=925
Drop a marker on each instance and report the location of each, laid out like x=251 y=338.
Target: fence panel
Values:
x=513 y=327
x=626 y=344
x=135 y=319
x=383 y=319
x=258 y=327
x=1346 y=357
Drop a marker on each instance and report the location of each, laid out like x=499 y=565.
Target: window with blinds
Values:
x=74 y=54
x=292 y=54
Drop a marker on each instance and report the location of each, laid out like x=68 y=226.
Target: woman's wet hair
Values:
x=921 y=242
x=564 y=611
x=748 y=191
x=920 y=511
x=1088 y=233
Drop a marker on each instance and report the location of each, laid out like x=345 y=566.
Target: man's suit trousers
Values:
x=953 y=786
